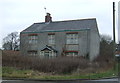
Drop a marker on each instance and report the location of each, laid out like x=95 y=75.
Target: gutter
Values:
x=55 y=31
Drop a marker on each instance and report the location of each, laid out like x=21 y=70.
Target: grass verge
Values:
x=10 y=72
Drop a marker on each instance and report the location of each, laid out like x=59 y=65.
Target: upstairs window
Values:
x=72 y=38
x=51 y=39
x=33 y=38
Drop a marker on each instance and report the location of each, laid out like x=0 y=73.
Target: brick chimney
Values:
x=48 y=18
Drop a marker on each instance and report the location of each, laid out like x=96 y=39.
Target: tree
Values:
x=11 y=41
x=106 y=46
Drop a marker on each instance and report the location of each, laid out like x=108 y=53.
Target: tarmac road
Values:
x=115 y=80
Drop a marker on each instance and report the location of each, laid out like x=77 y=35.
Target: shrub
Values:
x=59 y=65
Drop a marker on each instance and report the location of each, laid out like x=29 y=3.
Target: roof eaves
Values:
x=56 y=31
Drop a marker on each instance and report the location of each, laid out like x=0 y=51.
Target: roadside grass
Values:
x=107 y=74
x=117 y=68
x=10 y=72
x=0 y=71
x=58 y=68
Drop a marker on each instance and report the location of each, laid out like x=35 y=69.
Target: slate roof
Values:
x=63 y=25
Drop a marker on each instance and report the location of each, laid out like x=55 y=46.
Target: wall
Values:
x=94 y=43
x=23 y=43
x=60 y=40
x=84 y=42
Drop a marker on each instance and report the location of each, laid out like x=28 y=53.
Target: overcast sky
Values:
x=16 y=15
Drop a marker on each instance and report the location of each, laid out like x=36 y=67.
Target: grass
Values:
x=15 y=73
x=87 y=76
x=0 y=71
x=11 y=72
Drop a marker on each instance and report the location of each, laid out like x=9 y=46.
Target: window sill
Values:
x=71 y=44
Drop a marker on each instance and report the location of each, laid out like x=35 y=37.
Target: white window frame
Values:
x=72 y=38
x=33 y=39
x=51 y=53
x=51 y=39
x=72 y=54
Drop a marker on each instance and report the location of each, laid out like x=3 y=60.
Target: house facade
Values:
x=61 y=38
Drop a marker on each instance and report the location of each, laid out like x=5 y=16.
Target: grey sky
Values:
x=19 y=14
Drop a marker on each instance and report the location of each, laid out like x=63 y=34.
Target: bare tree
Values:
x=11 y=41
x=106 y=38
x=106 y=46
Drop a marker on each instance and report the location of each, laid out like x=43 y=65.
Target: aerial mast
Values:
x=45 y=10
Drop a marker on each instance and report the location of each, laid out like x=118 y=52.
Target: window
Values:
x=41 y=53
x=33 y=38
x=48 y=53
x=51 y=39
x=72 y=38
x=71 y=53
x=32 y=52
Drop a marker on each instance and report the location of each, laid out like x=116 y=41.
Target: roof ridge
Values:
x=76 y=20
x=68 y=20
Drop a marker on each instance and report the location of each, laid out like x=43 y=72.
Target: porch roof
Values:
x=49 y=48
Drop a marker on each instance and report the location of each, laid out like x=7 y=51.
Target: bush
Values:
x=59 y=65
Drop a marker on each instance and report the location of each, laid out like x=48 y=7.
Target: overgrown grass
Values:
x=117 y=68
x=0 y=71
x=106 y=74
x=60 y=65
x=56 y=68
x=15 y=73
x=11 y=72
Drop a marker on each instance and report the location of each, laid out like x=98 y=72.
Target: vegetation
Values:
x=11 y=72
x=11 y=41
x=60 y=65
x=57 y=68
x=0 y=71
x=15 y=73
x=107 y=47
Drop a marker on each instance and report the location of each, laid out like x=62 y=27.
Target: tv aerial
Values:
x=45 y=10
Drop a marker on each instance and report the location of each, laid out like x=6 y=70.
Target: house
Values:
x=61 y=38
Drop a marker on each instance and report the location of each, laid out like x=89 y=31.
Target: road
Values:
x=75 y=81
